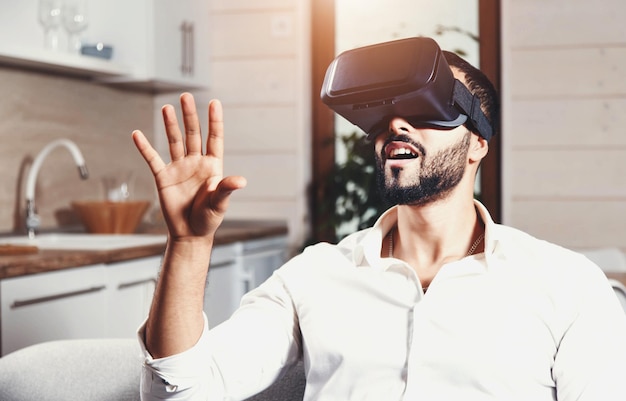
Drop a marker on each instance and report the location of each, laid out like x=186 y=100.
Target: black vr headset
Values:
x=406 y=78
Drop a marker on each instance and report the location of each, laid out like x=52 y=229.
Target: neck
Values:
x=427 y=237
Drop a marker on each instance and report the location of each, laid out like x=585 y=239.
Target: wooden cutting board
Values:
x=8 y=249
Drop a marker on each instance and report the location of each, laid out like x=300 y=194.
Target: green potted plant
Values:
x=353 y=202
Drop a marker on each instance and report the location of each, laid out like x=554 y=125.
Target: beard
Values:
x=438 y=174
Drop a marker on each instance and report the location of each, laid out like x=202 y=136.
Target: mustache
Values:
x=403 y=138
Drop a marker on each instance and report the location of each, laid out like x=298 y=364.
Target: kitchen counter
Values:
x=49 y=260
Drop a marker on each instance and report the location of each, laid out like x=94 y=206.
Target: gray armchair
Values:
x=72 y=370
x=288 y=388
x=97 y=370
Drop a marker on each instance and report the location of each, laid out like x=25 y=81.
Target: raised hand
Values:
x=192 y=190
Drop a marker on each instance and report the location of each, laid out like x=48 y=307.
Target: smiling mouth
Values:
x=400 y=151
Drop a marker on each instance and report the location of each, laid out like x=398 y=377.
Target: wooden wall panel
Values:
x=260 y=58
x=264 y=81
x=565 y=72
x=261 y=129
x=272 y=177
x=565 y=97
x=577 y=224
x=568 y=122
x=267 y=34
x=569 y=174
x=538 y=23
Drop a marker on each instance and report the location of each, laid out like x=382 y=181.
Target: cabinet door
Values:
x=126 y=26
x=261 y=257
x=51 y=306
x=225 y=284
x=131 y=287
x=181 y=40
x=236 y=269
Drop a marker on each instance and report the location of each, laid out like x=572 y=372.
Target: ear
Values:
x=478 y=148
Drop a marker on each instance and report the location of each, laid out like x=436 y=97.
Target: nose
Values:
x=398 y=125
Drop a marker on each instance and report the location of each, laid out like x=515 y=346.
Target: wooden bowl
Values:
x=105 y=217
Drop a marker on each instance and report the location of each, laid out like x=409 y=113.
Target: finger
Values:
x=174 y=136
x=193 y=132
x=150 y=155
x=224 y=189
x=215 y=140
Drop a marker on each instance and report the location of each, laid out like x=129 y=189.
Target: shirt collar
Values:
x=368 y=249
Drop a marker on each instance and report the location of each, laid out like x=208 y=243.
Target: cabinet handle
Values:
x=123 y=286
x=221 y=264
x=187 y=48
x=18 y=304
x=183 y=47
x=190 y=49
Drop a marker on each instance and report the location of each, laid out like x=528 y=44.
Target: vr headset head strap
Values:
x=469 y=105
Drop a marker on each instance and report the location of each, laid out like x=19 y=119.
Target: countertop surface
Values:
x=45 y=260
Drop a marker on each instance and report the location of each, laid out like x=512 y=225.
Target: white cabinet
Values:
x=99 y=301
x=260 y=257
x=238 y=268
x=158 y=45
x=131 y=287
x=165 y=42
x=25 y=49
x=70 y=303
x=112 y=300
x=224 y=284
x=181 y=42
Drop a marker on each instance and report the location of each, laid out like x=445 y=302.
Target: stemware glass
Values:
x=74 y=22
x=49 y=15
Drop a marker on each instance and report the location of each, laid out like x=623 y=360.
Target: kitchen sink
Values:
x=87 y=242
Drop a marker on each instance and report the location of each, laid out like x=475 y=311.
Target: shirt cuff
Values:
x=176 y=373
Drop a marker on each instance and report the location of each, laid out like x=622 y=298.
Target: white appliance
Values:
x=238 y=268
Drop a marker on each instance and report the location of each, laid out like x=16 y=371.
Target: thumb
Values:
x=224 y=189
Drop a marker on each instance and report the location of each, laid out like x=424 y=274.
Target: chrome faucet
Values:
x=32 y=218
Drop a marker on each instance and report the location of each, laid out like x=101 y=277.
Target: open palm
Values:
x=192 y=190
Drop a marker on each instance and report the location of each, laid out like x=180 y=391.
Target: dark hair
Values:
x=478 y=83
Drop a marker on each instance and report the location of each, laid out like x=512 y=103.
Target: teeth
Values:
x=402 y=152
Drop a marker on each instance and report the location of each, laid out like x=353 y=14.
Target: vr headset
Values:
x=406 y=78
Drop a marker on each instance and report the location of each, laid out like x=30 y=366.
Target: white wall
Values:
x=564 y=96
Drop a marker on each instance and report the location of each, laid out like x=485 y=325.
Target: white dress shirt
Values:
x=525 y=320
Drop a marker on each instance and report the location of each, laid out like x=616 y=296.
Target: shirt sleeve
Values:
x=233 y=360
x=590 y=363
x=181 y=376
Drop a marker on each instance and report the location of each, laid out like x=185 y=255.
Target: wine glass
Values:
x=49 y=14
x=74 y=22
